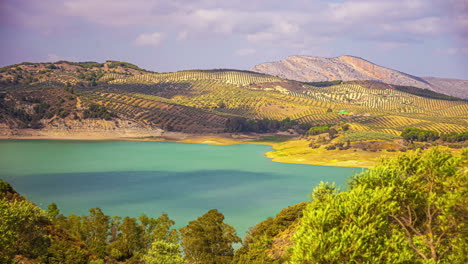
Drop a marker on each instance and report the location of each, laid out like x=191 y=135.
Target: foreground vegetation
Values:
x=408 y=209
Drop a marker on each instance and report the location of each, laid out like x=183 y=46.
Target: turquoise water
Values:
x=128 y=178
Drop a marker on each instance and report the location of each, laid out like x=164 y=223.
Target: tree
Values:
x=96 y=228
x=163 y=252
x=128 y=242
x=63 y=251
x=162 y=230
x=208 y=239
x=409 y=209
x=52 y=210
x=22 y=230
x=261 y=242
x=332 y=133
x=411 y=134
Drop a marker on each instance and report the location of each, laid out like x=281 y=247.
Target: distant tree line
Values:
x=412 y=134
x=240 y=124
x=115 y=64
x=454 y=137
x=426 y=93
x=324 y=83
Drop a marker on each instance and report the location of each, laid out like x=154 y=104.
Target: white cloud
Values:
x=295 y=25
x=150 y=39
x=245 y=52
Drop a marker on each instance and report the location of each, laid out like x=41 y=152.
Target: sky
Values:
x=419 y=37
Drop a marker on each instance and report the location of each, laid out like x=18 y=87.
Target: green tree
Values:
x=208 y=239
x=96 y=227
x=52 y=210
x=163 y=229
x=261 y=242
x=409 y=209
x=22 y=230
x=128 y=241
x=411 y=134
x=163 y=252
x=62 y=251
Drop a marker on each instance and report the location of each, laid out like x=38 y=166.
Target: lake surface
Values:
x=128 y=178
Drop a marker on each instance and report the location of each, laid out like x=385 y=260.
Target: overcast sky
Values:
x=419 y=37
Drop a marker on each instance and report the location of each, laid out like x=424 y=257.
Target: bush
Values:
x=411 y=134
x=455 y=137
x=97 y=111
x=330 y=147
x=316 y=130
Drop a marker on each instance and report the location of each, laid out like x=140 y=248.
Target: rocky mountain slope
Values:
x=348 y=68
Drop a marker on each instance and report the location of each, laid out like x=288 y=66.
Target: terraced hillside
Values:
x=204 y=101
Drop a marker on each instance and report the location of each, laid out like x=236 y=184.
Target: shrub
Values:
x=316 y=130
x=330 y=147
x=411 y=134
x=97 y=111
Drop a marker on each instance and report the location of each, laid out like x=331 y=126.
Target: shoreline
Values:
x=295 y=150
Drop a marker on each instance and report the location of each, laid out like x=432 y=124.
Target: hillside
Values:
x=122 y=100
x=348 y=68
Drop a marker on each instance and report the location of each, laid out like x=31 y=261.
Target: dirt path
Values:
x=78 y=103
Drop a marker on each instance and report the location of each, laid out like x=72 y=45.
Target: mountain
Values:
x=348 y=68
x=119 y=99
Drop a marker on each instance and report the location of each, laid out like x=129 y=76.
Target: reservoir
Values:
x=128 y=178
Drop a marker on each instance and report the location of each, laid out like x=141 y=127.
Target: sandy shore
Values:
x=211 y=139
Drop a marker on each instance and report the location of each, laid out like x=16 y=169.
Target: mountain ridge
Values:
x=349 y=68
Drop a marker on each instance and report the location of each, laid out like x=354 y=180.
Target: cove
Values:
x=128 y=178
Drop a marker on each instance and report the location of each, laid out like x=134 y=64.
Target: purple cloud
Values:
x=298 y=26
x=257 y=21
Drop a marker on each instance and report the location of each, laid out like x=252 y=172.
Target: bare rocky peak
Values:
x=348 y=68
